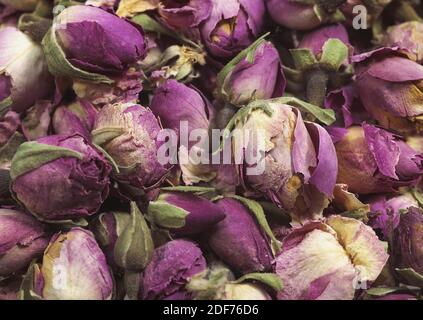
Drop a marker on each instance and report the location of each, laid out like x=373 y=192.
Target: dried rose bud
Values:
x=408 y=253
x=184 y=213
x=172 y=265
x=239 y=240
x=74 y=268
x=67 y=171
x=22 y=239
x=129 y=134
x=373 y=160
x=261 y=78
x=232 y=26
x=88 y=43
x=390 y=87
x=19 y=88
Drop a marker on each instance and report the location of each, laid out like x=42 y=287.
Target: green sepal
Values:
x=27 y=290
x=418 y=196
x=209 y=284
x=361 y=214
x=166 y=215
x=31 y=155
x=5 y=105
x=256 y=209
x=380 y=291
x=58 y=65
x=189 y=189
x=134 y=248
x=248 y=54
x=411 y=277
x=334 y=54
x=8 y=150
x=151 y=25
x=325 y=116
x=100 y=228
x=67 y=224
x=108 y=157
x=107 y=134
x=304 y=59
x=269 y=279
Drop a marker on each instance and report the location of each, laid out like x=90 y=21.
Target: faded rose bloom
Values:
x=407 y=35
x=74 y=268
x=67 y=171
x=232 y=26
x=129 y=134
x=389 y=86
x=300 y=163
x=24 y=78
x=22 y=239
x=239 y=241
x=170 y=269
x=373 y=160
x=76 y=117
x=323 y=260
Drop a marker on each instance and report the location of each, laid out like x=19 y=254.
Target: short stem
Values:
x=406 y=12
x=317 y=81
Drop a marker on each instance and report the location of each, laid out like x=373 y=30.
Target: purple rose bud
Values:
x=184 y=14
x=373 y=160
x=408 y=250
x=263 y=78
x=239 y=241
x=326 y=261
x=302 y=15
x=75 y=268
x=22 y=239
x=21 y=84
x=406 y=35
x=174 y=102
x=386 y=212
x=184 y=214
x=390 y=87
x=94 y=41
x=170 y=269
x=67 y=171
x=298 y=172
x=129 y=134
x=232 y=26
x=315 y=40
x=21 y=5
x=75 y=118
